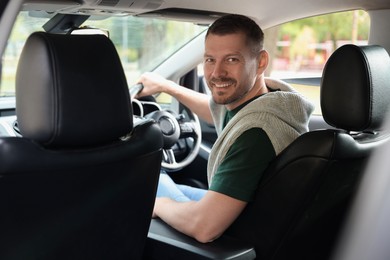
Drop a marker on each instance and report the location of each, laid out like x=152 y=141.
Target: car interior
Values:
x=80 y=155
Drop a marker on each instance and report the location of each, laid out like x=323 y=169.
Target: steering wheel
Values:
x=179 y=133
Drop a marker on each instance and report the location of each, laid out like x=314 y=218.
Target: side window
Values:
x=300 y=49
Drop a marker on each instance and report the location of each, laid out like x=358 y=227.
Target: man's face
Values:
x=230 y=68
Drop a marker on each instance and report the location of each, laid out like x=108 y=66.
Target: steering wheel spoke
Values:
x=169 y=156
x=188 y=129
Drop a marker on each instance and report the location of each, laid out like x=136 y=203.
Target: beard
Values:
x=221 y=96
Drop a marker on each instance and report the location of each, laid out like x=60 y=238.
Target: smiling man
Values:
x=255 y=118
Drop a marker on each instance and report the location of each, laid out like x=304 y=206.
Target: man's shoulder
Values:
x=252 y=139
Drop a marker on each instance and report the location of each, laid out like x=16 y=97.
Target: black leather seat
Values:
x=306 y=192
x=81 y=182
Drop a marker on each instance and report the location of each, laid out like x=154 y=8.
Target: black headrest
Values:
x=355 y=88
x=71 y=91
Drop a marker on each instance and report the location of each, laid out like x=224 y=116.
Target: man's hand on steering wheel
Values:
x=174 y=129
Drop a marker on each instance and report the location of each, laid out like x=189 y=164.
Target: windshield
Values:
x=142 y=43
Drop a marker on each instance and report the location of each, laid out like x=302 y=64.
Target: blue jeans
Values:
x=181 y=193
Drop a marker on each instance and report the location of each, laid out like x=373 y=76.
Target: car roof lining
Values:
x=186 y=15
x=204 y=11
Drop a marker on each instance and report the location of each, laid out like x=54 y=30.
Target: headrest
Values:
x=71 y=91
x=355 y=88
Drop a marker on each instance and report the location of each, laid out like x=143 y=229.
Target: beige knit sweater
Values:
x=283 y=115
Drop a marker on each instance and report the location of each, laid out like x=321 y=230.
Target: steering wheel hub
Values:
x=167 y=125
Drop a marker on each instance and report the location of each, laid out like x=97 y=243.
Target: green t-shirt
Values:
x=240 y=171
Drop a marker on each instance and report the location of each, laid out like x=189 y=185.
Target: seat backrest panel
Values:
x=81 y=181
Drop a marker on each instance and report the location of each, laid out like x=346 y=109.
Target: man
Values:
x=255 y=118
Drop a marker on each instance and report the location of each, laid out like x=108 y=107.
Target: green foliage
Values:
x=336 y=26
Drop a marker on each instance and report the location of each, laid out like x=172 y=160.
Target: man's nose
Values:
x=219 y=70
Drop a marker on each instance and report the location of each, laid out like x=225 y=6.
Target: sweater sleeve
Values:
x=241 y=170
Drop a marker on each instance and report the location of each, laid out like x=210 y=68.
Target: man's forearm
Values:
x=204 y=220
x=195 y=101
x=176 y=214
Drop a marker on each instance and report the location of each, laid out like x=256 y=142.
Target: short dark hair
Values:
x=235 y=23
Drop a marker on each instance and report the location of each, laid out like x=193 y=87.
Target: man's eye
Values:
x=208 y=60
x=232 y=59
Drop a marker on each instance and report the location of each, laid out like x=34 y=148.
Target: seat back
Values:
x=305 y=194
x=81 y=182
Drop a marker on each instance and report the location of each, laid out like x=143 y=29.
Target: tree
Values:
x=334 y=27
x=312 y=40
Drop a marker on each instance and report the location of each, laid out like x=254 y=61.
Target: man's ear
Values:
x=263 y=61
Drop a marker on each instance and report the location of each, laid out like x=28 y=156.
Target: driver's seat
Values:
x=305 y=194
x=81 y=182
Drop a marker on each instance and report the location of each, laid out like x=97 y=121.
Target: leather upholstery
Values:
x=72 y=187
x=357 y=100
x=59 y=85
x=306 y=191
